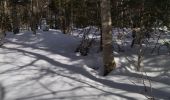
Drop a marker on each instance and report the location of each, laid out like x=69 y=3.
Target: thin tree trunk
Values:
x=101 y=42
x=141 y=37
x=140 y=56
x=33 y=20
x=15 y=21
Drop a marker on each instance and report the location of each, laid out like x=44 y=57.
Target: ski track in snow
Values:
x=45 y=67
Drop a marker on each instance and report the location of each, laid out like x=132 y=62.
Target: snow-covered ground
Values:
x=45 y=67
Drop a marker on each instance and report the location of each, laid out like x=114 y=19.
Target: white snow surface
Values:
x=45 y=67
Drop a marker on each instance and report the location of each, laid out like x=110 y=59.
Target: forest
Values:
x=84 y=49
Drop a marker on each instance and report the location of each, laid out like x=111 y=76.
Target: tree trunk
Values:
x=33 y=17
x=108 y=58
x=140 y=56
x=101 y=42
x=15 y=22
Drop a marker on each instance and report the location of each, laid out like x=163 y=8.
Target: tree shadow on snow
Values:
x=81 y=71
x=43 y=42
x=152 y=63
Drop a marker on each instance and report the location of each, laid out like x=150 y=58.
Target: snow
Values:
x=45 y=67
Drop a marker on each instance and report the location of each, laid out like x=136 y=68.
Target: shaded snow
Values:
x=45 y=67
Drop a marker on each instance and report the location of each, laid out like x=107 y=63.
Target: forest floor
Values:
x=45 y=67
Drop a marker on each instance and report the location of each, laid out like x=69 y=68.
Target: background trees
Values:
x=82 y=13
